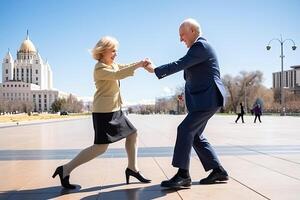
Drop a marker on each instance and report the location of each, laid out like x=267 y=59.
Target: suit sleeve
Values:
x=103 y=73
x=198 y=53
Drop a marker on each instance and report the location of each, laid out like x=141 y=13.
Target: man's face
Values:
x=187 y=35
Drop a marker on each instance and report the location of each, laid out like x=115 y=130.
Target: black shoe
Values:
x=177 y=182
x=64 y=181
x=214 y=177
x=137 y=175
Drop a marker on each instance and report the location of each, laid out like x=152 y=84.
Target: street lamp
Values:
x=281 y=41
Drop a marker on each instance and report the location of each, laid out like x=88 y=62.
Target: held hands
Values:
x=149 y=66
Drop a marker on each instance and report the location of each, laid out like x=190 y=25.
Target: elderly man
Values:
x=204 y=94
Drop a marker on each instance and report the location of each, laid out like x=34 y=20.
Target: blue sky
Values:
x=65 y=30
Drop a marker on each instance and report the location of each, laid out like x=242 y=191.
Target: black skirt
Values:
x=111 y=127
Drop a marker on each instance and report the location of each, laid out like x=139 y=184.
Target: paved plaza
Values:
x=262 y=159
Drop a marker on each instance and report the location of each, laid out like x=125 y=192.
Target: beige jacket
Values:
x=107 y=97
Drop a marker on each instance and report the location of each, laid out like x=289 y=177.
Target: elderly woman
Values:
x=110 y=124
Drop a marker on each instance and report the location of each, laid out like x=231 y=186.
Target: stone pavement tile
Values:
x=165 y=164
x=269 y=183
x=136 y=194
x=124 y=194
x=156 y=131
x=40 y=196
x=114 y=174
x=113 y=186
x=31 y=196
x=14 y=174
x=229 y=190
x=100 y=176
x=291 y=158
x=281 y=166
x=48 y=136
x=88 y=175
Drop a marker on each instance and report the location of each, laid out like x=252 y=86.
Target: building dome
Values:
x=27 y=46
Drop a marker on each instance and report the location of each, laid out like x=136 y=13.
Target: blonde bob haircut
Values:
x=104 y=44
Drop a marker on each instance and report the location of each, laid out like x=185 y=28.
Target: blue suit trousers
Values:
x=189 y=134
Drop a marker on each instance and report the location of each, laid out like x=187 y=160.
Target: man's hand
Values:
x=149 y=66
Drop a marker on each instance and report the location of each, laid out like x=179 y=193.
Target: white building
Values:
x=291 y=79
x=28 y=78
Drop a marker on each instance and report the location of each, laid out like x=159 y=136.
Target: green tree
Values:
x=58 y=104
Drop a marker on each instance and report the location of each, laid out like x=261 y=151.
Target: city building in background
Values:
x=291 y=79
x=28 y=78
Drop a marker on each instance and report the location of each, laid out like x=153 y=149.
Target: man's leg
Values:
x=193 y=124
x=208 y=157
x=242 y=116
x=203 y=148
x=206 y=153
x=186 y=132
x=259 y=118
x=237 y=119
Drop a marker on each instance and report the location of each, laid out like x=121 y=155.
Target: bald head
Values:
x=189 y=31
x=191 y=24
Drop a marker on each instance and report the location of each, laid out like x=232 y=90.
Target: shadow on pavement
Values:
x=140 y=192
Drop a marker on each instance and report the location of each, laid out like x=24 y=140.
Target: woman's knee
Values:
x=132 y=136
x=100 y=147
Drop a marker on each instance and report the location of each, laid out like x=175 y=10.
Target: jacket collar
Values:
x=200 y=38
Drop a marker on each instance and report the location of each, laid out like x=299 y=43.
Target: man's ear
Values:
x=192 y=30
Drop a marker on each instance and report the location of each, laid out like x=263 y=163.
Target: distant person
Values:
x=110 y=123
x=204 y=95
x=257 y=112
x=240 y=112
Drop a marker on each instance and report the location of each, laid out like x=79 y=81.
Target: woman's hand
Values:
x=146 y=64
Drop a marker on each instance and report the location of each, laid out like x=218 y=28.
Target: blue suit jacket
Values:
x=204 y=89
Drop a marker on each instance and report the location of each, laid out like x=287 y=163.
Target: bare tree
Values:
x=73 y=105
x=242 y=88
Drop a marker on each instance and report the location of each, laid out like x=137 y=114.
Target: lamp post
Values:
x=281 y=41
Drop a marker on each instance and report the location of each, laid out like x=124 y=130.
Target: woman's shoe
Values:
x=137 y=175
x=64 y=181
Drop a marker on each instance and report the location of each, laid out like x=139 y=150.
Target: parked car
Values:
x=64 y=113
x=172 y=112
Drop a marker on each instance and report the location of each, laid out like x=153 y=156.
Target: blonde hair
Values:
x=104 y=44
x=190 y=22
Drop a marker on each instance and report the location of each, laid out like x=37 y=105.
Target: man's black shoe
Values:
x=214 y=177
x=177 y=182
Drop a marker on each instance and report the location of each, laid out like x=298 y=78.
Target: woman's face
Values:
x=109 y=56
